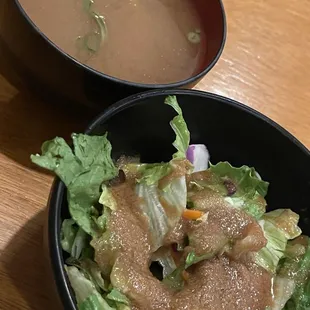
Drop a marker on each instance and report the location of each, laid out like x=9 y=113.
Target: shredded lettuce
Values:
x=175 y=280
x=283 y=289
x=91 y=271
x=168 y=264
x=83 y=170
x=120 y=306
x=154 y=212
x=155 y=199
x=249 y=189
x=192 y=258
x=240 y=187
x=95 y=274
x=152 y=173
x=278 y=226
x=95 y=302
x=244 y=178
x=117 y=296
x=296 y=268
x=102 y=220
x=91 y=290
x=286 y=221
x=81 y=241
x=107 y=199
x=179 y=126
x=175 y=194
x=73 y=239
x=67 y=235
x=155 y=204
x=87 y=297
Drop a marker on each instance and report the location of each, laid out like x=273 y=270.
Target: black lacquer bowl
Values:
x=232 y=132
x=28 y=59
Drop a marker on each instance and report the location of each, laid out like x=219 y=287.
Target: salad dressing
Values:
x=222 y=283
x=129 y=235
x=246 y=285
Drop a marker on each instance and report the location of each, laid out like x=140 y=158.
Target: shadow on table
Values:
x=25 y=263
x=26 y=122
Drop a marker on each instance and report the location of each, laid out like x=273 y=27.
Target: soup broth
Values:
x=143 y=41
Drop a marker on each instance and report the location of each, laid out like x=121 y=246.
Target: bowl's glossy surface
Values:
x=39 y=65
x=232 y=132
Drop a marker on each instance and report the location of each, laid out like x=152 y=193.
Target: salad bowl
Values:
x=232 y=132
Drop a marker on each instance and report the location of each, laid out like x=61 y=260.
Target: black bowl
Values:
x=42 y=67
x=231 y=131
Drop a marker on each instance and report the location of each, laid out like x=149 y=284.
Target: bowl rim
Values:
x=58 y=188
x=142 y=86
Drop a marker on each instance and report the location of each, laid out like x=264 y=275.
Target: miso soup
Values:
x=143 y=41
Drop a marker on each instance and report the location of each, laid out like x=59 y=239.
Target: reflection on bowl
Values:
x=94 y=60
x=232 y=132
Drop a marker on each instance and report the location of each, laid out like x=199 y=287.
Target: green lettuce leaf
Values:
x=300 y=299
x=116 y=296
x=94 y=150
x=67 y=234
x=283 y=289
x=175 y=280
x=107 y=199
x=94 y=273
x=278 y=226
x=192 y=258
x=87 y=296
x=120 y=306
x=162 y=207
x=154 y=212
x=157 y=198
x=286 y=221
x=80 y=242
x=250 y=189
x=91 y=271
x=95 y=302
x=244 y=178
x=179 y=126
x=293 y=249
x=73 y=239
x=297 y=268
x=269 y=256
x=102 y=220
x=241 y=187
x=167 y=262
x=58 y=157
x=153 y=173
x=82 y=170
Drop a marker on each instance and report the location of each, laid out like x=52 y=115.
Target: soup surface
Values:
x=144 y=41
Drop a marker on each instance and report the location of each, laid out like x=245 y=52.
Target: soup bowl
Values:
x=29 y=59
x=232 y=132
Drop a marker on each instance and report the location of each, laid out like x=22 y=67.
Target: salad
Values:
x=184 y=234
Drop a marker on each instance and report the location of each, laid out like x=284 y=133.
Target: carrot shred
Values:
x=192 y=214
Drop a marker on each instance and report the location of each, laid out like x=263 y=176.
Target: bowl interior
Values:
x=232 y=132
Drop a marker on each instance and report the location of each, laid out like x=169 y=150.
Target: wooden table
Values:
x=265 y=64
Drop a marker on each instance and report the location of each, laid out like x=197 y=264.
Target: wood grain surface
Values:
x=265 y=64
